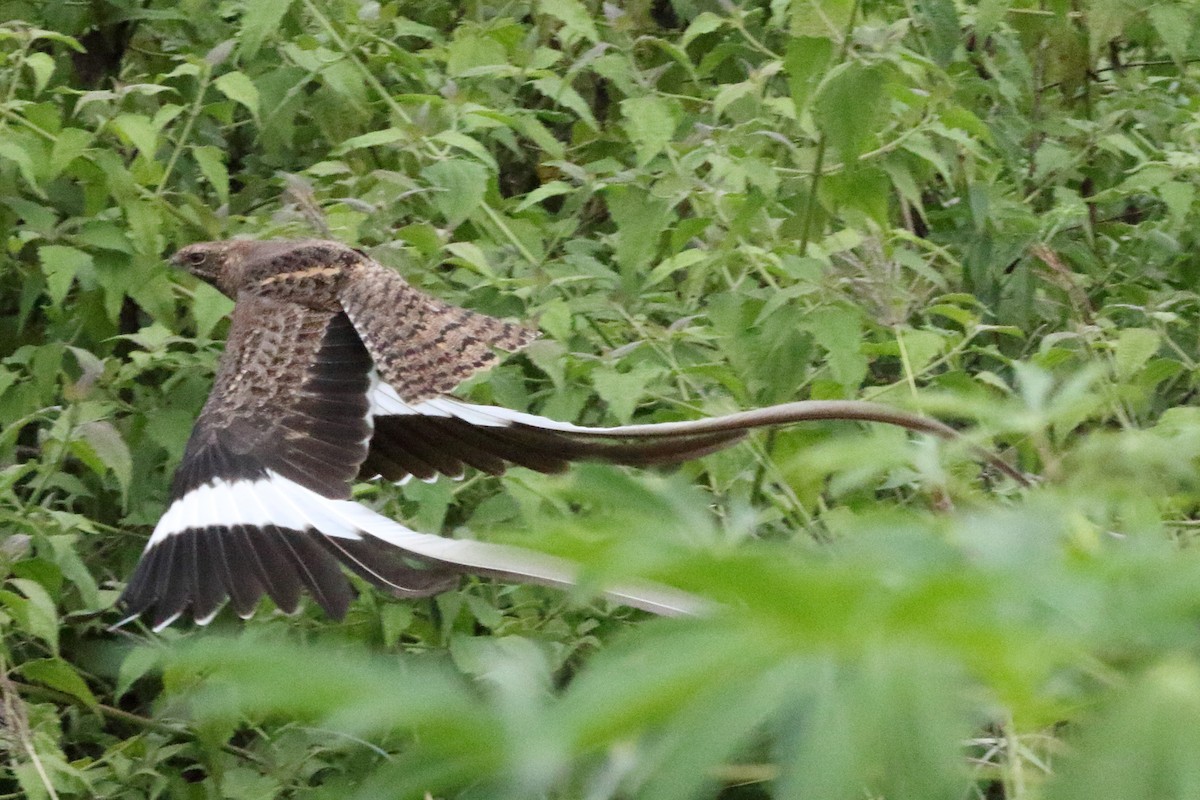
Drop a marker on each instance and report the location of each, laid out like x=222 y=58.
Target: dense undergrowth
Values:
x=986 y=211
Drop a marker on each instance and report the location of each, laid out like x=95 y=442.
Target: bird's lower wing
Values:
x=272 y=536
x=289 y=408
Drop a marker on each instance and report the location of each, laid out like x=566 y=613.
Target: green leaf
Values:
x=942 y=29
x=475 y=55
x=35 y=612
x=561 y=92
x=139 y=131
x=111 y=449
x=847 y=106
x=58 y=674
x=69 y=144
x=372 y=139
x=209 y=307
x=1143 y=742
x=650 y=122
x=62 y=265
x=1175 y=25
x=471 y=255
x=641 y=220
x=543 y=192
x=807 y=58
x=13 y=152
x=622 y=391
x=1134 y=347
x=577 y=22
x=839 y=331
x=466 y=143
x=212 y=166
x=42 y=67
x=668 y=266
x=240 y=89
x=705 y=22
x=259 y=23
x=137 y=663
x=460 y=186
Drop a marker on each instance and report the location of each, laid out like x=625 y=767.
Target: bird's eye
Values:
x=196 y=258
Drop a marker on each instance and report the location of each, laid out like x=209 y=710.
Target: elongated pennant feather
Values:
x=336 y=369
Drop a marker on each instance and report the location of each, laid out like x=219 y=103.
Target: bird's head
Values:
x=207 y=260
x=239 y=264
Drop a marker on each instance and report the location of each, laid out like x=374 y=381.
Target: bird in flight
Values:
x=337 y=370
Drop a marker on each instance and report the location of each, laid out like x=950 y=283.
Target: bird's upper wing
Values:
x=423 y=348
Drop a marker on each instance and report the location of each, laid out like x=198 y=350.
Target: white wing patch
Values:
x=279 y=502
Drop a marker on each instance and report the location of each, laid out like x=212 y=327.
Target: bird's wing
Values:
x=260 y=504
x=423 y=348
x=288 y=418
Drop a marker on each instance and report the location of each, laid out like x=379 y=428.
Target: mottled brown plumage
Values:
x=337 y=369
x=422 y=346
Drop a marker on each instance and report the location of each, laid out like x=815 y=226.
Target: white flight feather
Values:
x=275 y=500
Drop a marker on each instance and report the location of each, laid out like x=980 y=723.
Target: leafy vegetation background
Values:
x=984 y=210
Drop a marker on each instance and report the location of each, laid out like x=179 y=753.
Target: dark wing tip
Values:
x=196 y=570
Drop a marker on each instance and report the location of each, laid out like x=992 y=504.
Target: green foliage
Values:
x=983 y=210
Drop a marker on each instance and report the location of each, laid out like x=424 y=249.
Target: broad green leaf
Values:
x=824 y=18
x=641 y=220
x=475 y=54
x=1134 y=347
x=466 y=143
x=58 y=674
x=1179 y=196
x=372 y=139
x=260 y=21
x=459 y=188
x=622 y=391
x=238 y=87
x=62 y=265
x=13 y=152
x=840 y=332
x=470 y=253
x=650 y=122
x=543 y=192
x=212 y=167
x=575 y=18
x=1140 y=744
x=730 y=93
x=69 y=144
x=1176 y=25
x=561 y=92
x=138 y=130
x=208 y=308
x=847 y=105
x=705 y=22
x=35 y=611
x=138 y=662
x=42 y=67
x=668 y=266
x=921 y=347
x=942 y=29
x=111 y=449
x=806 y=60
